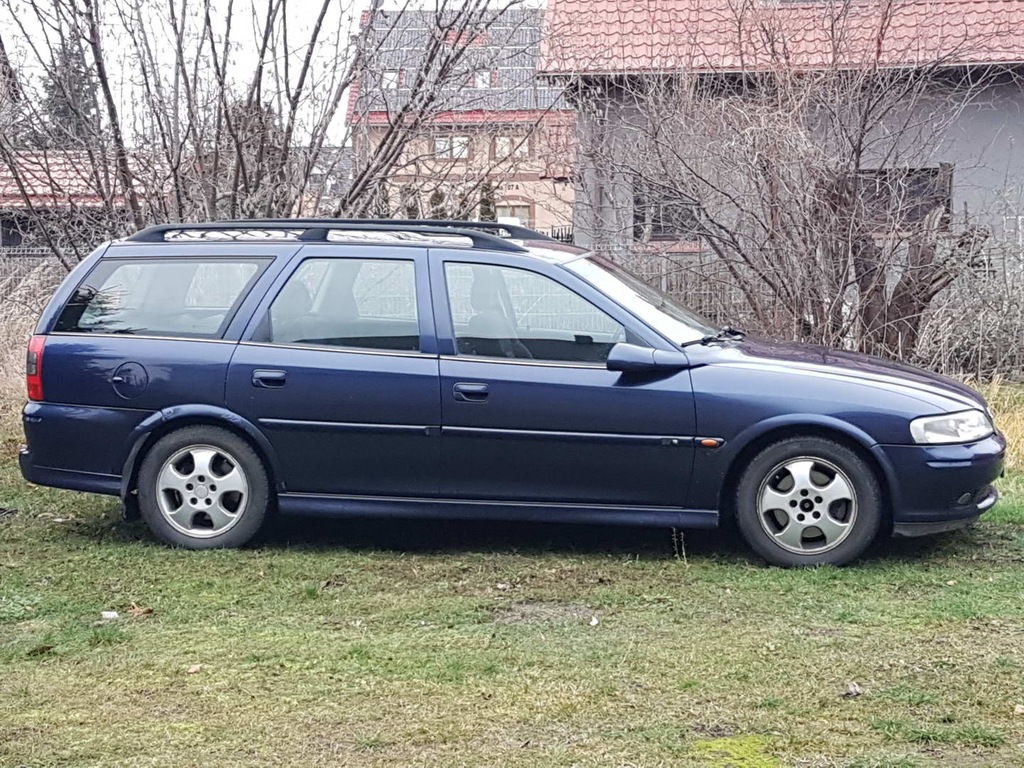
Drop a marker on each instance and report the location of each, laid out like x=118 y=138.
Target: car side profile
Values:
x=213 y=374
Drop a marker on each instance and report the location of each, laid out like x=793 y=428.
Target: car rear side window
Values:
x=358 y=303
x=160 y=297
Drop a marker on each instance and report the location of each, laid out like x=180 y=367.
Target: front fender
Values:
x=719 y=462
x=166 y=420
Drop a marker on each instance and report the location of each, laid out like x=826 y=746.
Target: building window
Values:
x=482 y=78
x=521 y=212
x=10 y=235
x=390 y=79
x=451 y=147
x=659 y=217
x=506 y=147
x=904 y=197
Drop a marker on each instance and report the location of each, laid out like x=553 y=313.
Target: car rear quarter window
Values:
x=191 y=297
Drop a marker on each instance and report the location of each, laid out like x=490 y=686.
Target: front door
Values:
x=339 y=371
x=529 y=410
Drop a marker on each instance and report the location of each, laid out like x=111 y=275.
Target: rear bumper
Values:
x=90 y=482
x=942 y=488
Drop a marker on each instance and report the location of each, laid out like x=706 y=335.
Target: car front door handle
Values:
x=269 y=379
x=470 y=392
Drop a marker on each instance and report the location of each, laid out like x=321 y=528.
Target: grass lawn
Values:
x=491 y=644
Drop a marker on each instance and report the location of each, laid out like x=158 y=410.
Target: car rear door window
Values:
x=184 y=297
x=509 y=312
x=358 y=303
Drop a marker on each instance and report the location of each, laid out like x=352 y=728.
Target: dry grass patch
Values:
x=1007 y=402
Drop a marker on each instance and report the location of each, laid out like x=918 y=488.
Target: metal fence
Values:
x=698 y=279
x=16 y=265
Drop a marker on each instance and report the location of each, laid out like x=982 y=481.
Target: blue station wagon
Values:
x=213 y=374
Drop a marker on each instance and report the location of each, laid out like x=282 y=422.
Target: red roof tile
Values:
x=58 y=179
x=622 y=36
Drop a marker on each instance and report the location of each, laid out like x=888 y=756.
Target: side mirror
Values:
x=630 y=358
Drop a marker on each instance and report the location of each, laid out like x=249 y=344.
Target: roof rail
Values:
x=317 y=230
x=491 y=227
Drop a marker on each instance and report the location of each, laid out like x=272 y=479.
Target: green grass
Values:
x=457 y=644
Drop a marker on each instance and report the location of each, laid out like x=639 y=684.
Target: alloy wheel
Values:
x=202 y=491
x=807 y=505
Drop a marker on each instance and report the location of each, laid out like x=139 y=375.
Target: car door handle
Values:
x=469 y=392
x=269 y=379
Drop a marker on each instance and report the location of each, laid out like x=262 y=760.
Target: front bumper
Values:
x=938 y=488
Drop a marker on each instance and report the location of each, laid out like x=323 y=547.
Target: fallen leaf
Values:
x=853 y=690
x=137 y=610
x=1019 y=709
x=194 y=668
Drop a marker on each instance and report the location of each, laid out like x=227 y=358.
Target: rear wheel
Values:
x=808 y=501
x=202 y=488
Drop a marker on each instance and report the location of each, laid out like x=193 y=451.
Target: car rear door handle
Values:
x=470 y=392
x=269 y=379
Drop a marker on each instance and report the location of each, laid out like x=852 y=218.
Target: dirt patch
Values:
x=542 y=613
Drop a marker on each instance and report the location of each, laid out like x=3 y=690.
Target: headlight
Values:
x=962 y=427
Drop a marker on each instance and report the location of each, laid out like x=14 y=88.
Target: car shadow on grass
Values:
x=430 y=536
x=496 y=536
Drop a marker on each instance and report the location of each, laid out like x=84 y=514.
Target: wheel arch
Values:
x=758 y=437
x=163 y=422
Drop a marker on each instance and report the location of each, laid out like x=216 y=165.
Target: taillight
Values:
x=34 y=368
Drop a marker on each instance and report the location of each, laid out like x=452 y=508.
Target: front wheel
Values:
x=808 y=501
x=202 y=488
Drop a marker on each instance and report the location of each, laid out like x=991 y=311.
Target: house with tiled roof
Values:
x=610 y=52
x=493 y=141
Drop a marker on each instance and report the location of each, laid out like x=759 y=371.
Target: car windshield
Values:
x=656 y=308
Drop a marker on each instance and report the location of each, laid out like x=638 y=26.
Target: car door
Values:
x=339 y=369
x=530 y=411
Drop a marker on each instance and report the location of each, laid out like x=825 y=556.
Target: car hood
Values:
x=873 y=371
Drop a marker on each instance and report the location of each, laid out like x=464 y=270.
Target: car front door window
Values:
x=516 y=313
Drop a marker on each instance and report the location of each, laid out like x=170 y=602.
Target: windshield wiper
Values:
x=727 y=332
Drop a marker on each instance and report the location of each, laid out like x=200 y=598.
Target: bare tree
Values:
x=818 y=188
x=198 y=109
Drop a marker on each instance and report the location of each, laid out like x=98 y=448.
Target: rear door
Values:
x=339 y=369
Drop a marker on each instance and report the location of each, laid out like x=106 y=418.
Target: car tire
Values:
x=203 y=488
x=808 y=501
